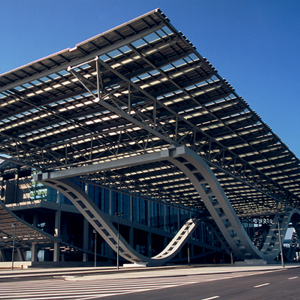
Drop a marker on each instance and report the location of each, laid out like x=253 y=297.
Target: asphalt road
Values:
x=282 y=284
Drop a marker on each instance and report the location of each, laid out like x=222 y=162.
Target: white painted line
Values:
x=293 y=277
x=214 y=297
x=264 y=284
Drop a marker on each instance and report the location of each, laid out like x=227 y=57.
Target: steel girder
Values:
x=228 y=226
x=175 y=129
x=148 y=89
x=105 y=228
x=290 y=253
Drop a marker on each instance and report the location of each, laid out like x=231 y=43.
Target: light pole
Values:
x=95 y=248
x=188 y=246
x=13 y=225
x=118 y=214
x=279 y=235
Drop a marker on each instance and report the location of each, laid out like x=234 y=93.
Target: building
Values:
x=148 y=225
x=144 y=126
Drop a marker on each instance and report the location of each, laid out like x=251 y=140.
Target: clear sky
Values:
x=254 y=44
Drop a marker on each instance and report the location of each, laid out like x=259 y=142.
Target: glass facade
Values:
x=139 y=211
x=104 y=201
x=94 y=193
x=134 y=209
x=147 y=213
x=171 y=219
x=156 y=215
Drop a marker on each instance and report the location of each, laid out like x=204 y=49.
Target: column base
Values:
x=140 y=264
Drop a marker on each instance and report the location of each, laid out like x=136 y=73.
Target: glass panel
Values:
x=174 y=219
x=136 y=210
x=142 y=214
x=126 y=207
x=105 y=201
x=93 y=192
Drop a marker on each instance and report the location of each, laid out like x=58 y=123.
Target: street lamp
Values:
x=95 y=248
x=118 y=214
x=280 y=244
x=13 y=225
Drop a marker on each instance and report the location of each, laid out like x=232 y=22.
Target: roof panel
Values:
x=155 y=90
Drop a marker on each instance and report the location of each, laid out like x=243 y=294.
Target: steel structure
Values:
x=227 y=223
x=23 y=234
x=142 y=88
x=109 y=233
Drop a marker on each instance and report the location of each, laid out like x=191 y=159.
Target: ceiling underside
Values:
x=138 y=88
x=23 y=234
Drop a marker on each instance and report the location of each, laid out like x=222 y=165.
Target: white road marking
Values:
x=68 y=290
x=293 y=277
x=264 y=284
x=93 y=288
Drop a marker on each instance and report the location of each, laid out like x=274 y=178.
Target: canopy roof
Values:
x=13 y=228
x=138 y=88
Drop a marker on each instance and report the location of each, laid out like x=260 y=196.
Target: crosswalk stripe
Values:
x=94 y=288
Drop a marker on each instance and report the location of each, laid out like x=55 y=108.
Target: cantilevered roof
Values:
x=138 y=88
x=13 y=228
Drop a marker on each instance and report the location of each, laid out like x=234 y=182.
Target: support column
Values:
x=165 y=218
x=35 y=220
x=34 y=252
x=2 y=255
x=56 y=252
x=149 y=214
x=131 y=209
x=57 y=234
x=57 y=225
x=110 y=203
x=149 y=244
x=16 y=188
x=20 y=254
x=58 y=198
x=85 y=239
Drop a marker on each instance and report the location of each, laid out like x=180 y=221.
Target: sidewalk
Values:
x=102 y=273
x=179 y=271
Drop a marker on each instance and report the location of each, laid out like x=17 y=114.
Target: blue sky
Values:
x=253 y=44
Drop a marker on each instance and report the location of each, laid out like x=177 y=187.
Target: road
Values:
x=263 y=284
x=283 y=284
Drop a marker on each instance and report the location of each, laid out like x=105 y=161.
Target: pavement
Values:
x=102 y=273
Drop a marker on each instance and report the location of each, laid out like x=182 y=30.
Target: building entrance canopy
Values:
x=139 y=89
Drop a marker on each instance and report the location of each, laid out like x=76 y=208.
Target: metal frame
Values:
x=24 y=234
x=227 y=223
x=139 y=89
x=105 y=228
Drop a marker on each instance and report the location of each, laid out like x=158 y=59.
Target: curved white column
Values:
x=228 y=226
x=108 y=232
x=217 y=203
